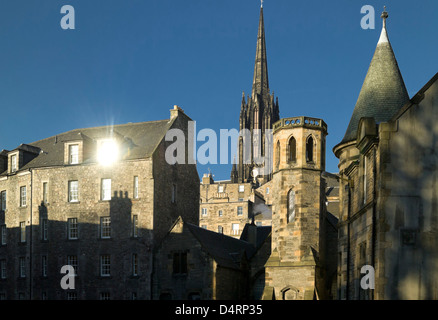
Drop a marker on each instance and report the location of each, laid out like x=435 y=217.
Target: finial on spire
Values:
x=261 y=3
x=384 y=16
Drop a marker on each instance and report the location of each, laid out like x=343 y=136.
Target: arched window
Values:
x=292 y=149
x=309 y=149
x=277 y=154
x=291 y=206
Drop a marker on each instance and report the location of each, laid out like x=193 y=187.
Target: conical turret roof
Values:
x=383 y=92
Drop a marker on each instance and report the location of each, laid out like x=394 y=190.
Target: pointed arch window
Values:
x=292 y=149
x=291 y=206
x=277 y=154
x=309 y=149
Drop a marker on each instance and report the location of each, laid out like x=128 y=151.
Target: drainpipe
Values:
x=373 y=230
x=30 y=235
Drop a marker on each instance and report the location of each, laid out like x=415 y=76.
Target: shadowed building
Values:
x=388 y=193
x=98 y=199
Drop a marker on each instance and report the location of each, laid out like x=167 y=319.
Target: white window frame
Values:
x=72 y=260
x=135 y=187
x=235 y=228
x=106 y=189
x=3 y=234
x=135 y=226
x=73 y=191
x=240 y=211
x=220 y=189
x=105 y=265
x=220 y=213
x=72 y=228
x=45 y=192
x=23 y=196
x=22 y=231
x=14 y=166
x=135 y=264
x=44 y=266
x=204 y=212
x=241 y=188
x=105 y=227
x=3 y=200
x=44 y=228
x=73 y=154
x=22 y=266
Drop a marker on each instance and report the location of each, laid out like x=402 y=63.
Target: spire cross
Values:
x=384 y=16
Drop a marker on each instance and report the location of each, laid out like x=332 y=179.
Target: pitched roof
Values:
x=226 y=251
x=142 y=138
x=383 y=92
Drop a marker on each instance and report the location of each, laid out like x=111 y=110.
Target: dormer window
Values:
x=14 y=164
x=73 y=154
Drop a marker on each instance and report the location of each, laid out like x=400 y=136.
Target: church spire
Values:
x=260 y=82
x=383 y=92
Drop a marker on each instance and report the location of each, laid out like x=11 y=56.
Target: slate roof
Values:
x=226 y=251
x=383 y=92
x=262 y=233
x=142 y=138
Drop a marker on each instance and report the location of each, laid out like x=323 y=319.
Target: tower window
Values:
x=292 y=150
x=309 y=150
x=290 y=206
x=277 y=154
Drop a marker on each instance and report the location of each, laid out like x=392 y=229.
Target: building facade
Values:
x=387 y=167
x=64 y=202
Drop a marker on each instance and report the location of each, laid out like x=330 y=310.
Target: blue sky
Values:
x=132 y=60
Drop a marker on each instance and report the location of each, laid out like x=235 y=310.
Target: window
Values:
x=241 y=188
x=23 y=199
x=3 y=200
x=73 y=191
x=292 y=149
x=22 y=267
x=14 y=163
x=71 y=295
x=105 y=265
x=73 y=261
x=291 y=206
x=267 y=190
x=220 y=213
x=72 y=225
x=44 y=266
x=134 y=264
x=3 y=234
x=105 y=296
x=204 y=211
x=180 y=262
x=135 y=187
x=105 y=227
x=44 y=228
x=135 y=226
x=220 y=229
x=174 y=193
x=277 y=154
x=3 y=269
x=45 y=192
x=204 y=226
x=239 y=211
x=364 y=179
x=235 y=228
x=22 y=231
x=309 y=149
x=106 y=189
x=220 y=189
x=73 y=154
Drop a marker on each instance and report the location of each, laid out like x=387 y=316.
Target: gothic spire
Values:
x=383 y=92
x=260 y=82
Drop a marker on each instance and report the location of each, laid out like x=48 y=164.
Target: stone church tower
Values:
x=257 y=115
x=294 y=269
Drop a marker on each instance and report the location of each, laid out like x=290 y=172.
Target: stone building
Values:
x=227 y=207
x=98 y=199
x=192 y=263
x=304 y=233
x=388 y=187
